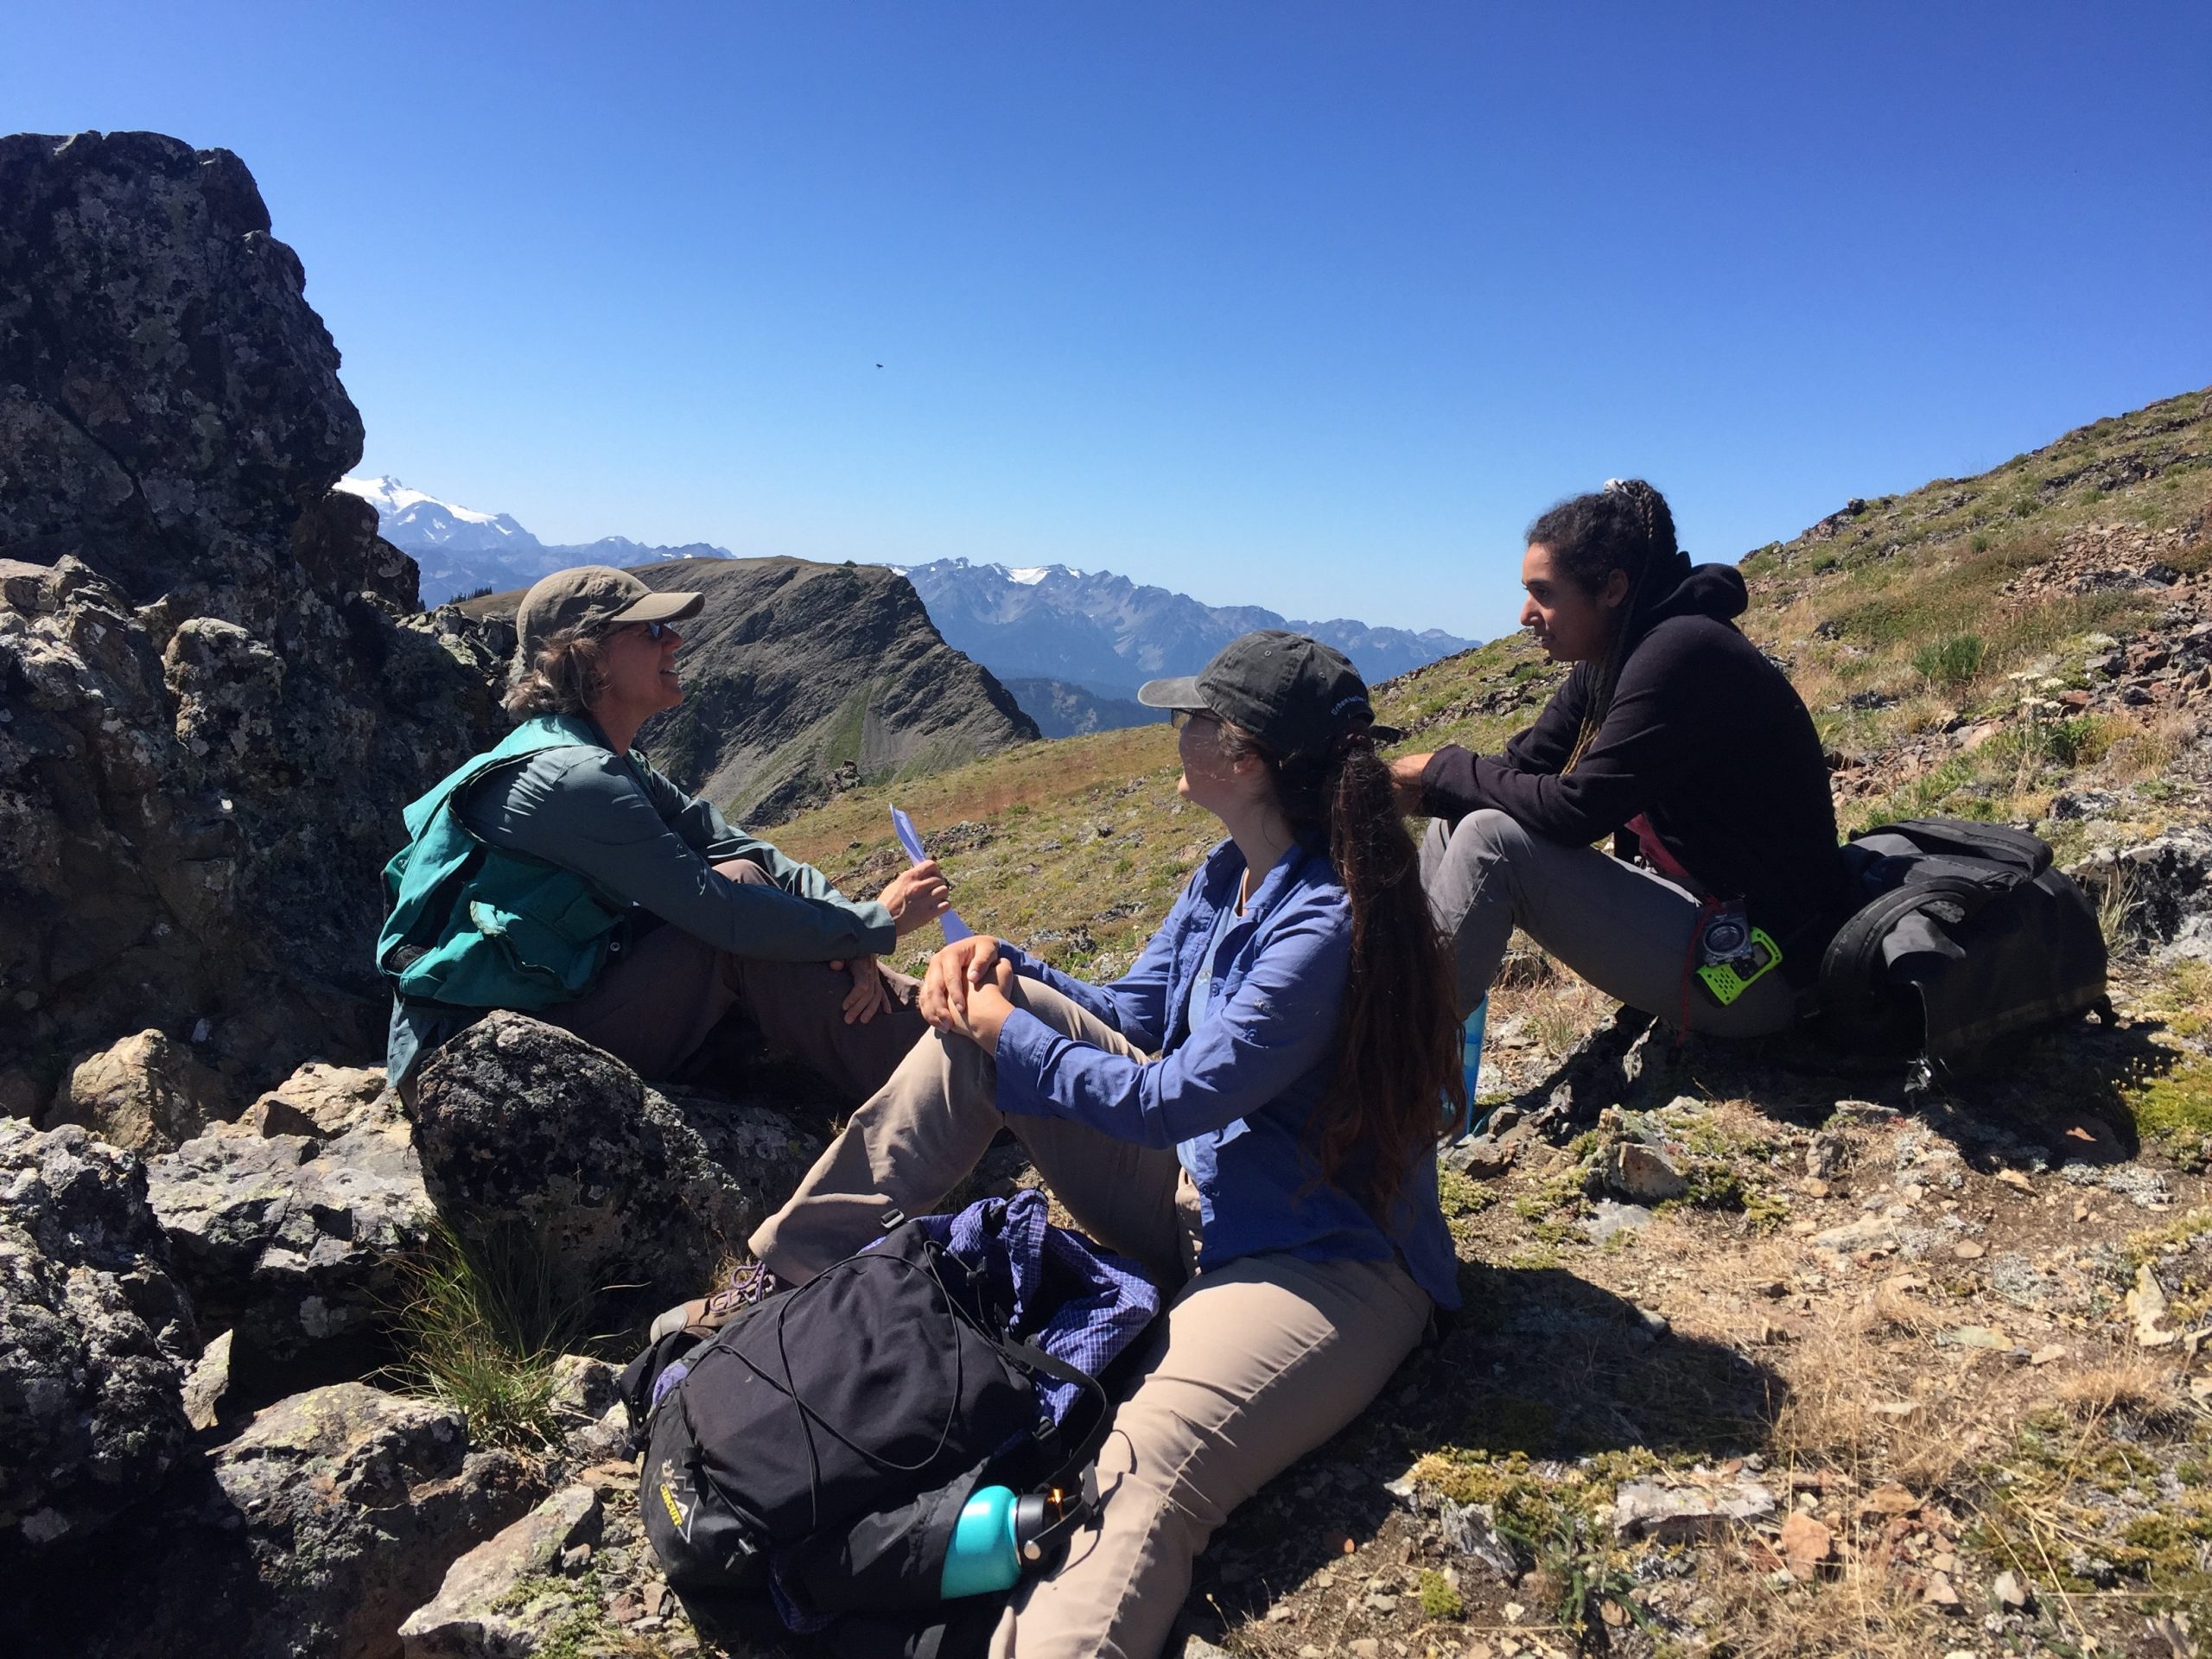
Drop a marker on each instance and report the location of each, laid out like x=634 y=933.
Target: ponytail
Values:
x=1397 y=1086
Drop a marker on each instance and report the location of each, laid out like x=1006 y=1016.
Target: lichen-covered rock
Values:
x=295 y=1241
x=353 y=1504
x=145 y=1093
x=2162 y=889
x=94 y=1336
x=484 y=1610
x=216 y=695
x=523 y=1125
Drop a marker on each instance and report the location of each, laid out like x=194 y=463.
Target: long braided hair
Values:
x=1398 y=1085
x=1627 y=527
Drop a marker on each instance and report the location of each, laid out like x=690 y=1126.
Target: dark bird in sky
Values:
x=878 y=365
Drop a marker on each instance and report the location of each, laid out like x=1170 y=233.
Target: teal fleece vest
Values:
x=475 y=926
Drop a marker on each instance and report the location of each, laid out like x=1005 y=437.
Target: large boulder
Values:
x=94 y=1337
x=217 y=691
x=527 y=1130
x=146 y=1093
x=354 y=1503
x=296 y=1241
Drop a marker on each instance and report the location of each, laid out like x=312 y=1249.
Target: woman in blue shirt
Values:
x=1251 y=1113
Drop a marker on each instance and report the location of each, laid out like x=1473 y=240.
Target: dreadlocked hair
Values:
x=1627 y=527
x=1397 y=1086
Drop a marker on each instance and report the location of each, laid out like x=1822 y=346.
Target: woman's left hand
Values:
x=870 y=995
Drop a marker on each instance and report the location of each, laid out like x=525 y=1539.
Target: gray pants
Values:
x=1626 y=931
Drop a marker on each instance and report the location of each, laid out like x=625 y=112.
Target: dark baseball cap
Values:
x=589 y=596
x=1295 y=695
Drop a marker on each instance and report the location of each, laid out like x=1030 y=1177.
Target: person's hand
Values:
x=871 y=994
x=987 y=1006
x=1405 y=782
x=952 y=973
x=916 y=897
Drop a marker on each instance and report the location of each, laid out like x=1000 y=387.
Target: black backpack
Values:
x=804 y=1468
x=1965 y=935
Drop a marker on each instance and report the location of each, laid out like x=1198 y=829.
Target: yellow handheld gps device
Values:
x=1733 y=956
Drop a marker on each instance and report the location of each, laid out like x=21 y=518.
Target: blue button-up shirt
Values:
x=1233 y=1096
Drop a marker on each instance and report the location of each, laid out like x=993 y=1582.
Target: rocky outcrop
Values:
x=528 y=1132
x=145 y=1093
x=94 y=1336
x=214 y=694
x=802 y=678
x=354 y=1503
x=295 y=1240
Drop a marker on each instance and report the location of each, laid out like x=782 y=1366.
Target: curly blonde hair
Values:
x=565 y=679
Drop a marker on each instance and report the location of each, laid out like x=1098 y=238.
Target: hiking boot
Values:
x=747 y=1285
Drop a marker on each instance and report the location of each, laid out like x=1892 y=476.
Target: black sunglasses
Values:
x=653 y=630
x=1177 y=719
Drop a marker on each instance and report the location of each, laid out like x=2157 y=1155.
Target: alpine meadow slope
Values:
x=1859 y=1377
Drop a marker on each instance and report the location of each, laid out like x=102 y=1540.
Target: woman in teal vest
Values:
x=560 y=875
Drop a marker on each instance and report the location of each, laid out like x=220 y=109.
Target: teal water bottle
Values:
x=992 y=1539
x=1471 y=1063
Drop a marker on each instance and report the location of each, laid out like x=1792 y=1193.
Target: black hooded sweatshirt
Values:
x=1709 y=741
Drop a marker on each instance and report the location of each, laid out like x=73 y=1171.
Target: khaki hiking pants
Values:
x=1253 y=1365
x=654 y=1008
x=1626 y=931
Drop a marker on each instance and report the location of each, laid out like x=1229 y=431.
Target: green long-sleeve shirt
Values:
x=629 y=830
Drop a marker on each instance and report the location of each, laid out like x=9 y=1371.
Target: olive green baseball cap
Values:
x=591 y=596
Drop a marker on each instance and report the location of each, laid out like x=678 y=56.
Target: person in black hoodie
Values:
x=1675 y=736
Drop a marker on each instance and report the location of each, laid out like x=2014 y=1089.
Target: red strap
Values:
x=1656 y=854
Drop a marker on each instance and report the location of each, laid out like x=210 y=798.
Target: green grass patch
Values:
x=481 y=1328
x=2175 y=1111
x=1952 y=663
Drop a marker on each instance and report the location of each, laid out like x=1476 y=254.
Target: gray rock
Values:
x=145 y=1093
x=293 y=1241
x=1609 y=1219
x=1869 y=1232
x=1672 y=1515
x=1645 y=1174
x=206 y=1382
x=1481 y=1156
x=530 y=1131
x=94 y=1336
x=2162 y=889
x=218 y=697
x=483 y=1609
x=1472 y=1530
x=595 y=1423
x=354 y=1502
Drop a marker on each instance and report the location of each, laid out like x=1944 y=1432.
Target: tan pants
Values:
x=1254 y=1365
x=653 y=1009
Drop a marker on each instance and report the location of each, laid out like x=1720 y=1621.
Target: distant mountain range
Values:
x=1073 y=646
x=1099 y=636
x=462 y=551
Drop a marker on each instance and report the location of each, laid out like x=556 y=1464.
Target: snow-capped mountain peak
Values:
x=461 y=549
x=415 y=521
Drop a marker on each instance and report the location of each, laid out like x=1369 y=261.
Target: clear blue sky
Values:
x=1310 y=305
